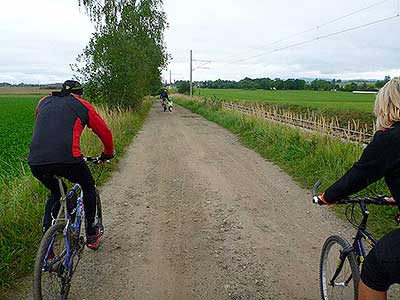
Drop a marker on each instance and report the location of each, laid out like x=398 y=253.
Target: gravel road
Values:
x=192 y=214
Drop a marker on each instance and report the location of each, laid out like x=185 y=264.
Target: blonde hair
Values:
x=387 y=104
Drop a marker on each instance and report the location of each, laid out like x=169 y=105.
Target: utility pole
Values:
x=170 y=78
x=191 y=70
x=201 y=66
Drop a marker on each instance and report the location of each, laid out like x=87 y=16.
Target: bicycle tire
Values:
x=39 y=291
x=99 y=212
x=350 y=268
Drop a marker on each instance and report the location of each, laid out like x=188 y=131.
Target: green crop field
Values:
x=15 y=132
x=313 y=99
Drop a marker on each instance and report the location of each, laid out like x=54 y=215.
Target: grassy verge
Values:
x=22 y=200
x=306 y=157
x=337 y=111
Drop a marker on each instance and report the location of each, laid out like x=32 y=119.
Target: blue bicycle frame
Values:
x=70 y=229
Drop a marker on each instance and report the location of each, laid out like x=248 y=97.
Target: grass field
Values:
x=313 y=99
x=15 y=132
x=24 y=91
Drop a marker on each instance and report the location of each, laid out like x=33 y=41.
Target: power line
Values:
x=202 y=60
x=320 y=37
x=332 y=21
x=201 y=66
x=320 y=25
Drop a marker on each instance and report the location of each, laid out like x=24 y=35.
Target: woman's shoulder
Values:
x=391 y=134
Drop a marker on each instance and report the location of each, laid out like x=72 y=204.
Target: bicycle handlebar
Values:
x=93 y=159
x=378 y=200
x=315 y=198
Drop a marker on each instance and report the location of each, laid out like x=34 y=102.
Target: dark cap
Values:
x=72 y=86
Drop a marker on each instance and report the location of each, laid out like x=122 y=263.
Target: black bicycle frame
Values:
x=357 y=246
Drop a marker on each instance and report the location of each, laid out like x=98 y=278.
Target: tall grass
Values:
x=22 y=200
x=306 y=157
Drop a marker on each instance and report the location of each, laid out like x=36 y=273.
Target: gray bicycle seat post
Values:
x=62 y=200
x=61 y=187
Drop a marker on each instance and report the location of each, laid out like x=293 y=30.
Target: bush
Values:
x=183 y=87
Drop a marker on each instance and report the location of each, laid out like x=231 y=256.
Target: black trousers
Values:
x=76 y=173
x=381 y=268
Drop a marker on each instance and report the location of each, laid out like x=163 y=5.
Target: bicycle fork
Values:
x=342 y=258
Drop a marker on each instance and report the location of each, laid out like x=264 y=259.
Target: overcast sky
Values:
x=39 y=39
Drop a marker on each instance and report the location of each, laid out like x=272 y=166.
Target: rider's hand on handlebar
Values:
x=104 y=157
x=320 y=199
x=391 y=199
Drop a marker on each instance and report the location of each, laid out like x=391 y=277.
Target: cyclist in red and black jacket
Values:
x=55 y=150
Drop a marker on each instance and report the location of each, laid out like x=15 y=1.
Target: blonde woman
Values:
x=380 y=159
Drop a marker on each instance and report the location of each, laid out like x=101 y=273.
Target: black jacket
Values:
x=381 y=158
x=60 y=120
x=163 y=95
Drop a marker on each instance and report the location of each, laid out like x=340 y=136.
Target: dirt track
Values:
x=192 y=214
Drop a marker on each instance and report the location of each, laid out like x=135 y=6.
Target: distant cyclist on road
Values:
x=164 y=95
x=55 y=150
x=380 y=159
x=164 y=98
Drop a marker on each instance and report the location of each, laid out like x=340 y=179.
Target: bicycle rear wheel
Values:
x=50 y=279
x=345 y=284
x=99 y=214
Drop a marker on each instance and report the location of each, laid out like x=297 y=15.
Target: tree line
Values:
x=288 y=84
x=125 y=56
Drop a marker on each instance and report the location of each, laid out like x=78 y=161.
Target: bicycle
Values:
x=341 y=261
x=164 y=104
x=62 y=245
x=170 y=104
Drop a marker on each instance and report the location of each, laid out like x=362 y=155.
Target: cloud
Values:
x=229 y=31
x=41 y=38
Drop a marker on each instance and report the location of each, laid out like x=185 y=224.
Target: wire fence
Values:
x=354 y=131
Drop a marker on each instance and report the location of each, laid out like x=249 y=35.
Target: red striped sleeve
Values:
x=99 y=127
x=76 y=138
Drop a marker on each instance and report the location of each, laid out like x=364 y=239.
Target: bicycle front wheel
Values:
x=339 y=274
x=51 y=280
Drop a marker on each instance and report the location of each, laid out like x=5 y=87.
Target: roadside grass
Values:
x=306 y=157
x=22 y=199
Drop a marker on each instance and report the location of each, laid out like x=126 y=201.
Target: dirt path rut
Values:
x=192 y=214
